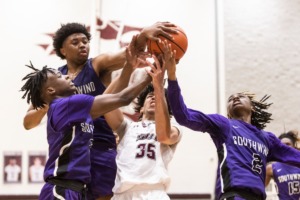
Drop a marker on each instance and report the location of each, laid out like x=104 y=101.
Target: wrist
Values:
x=172 y=76
x=141 y=41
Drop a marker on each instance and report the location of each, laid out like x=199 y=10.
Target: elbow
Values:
x=26 y=126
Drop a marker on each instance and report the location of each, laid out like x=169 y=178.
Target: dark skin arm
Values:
x=116 y=117
x=34 y=117
x=105 y=64
x=107 y=102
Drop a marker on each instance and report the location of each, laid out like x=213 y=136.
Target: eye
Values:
x=59 y=75
x=85 y=41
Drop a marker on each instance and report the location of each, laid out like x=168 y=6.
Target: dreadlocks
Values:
x=64 y=31
x=34 y=84
x=141 y=99
x=260 y=117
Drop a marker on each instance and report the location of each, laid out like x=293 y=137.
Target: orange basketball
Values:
x=179 y=43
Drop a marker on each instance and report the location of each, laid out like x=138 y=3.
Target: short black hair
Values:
x=140 y=100
x=34 y=85
x=292 y=135
x=65 y=31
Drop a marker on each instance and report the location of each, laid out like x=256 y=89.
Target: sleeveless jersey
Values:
x=243 y=150
x=69 y=131
x=141 y=159
x=87 y=82
x=287 y=179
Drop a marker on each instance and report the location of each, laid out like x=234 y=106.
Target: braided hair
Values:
x=34 y=85
x=65 y=31
x=292 y=135
x=140 y=100
x=260 y=117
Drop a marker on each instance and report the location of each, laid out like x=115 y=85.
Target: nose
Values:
x=82 y=44
x=235 y=97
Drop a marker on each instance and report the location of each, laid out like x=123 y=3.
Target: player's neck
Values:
x=148 y=118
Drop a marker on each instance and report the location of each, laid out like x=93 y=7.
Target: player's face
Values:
x=287 y=141
x=238 y=105
x=149 y=105
x=76 y=48
x=60 y=85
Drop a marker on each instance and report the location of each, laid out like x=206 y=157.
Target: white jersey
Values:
x=12 y=173
x=142 y=161
x=36 y=173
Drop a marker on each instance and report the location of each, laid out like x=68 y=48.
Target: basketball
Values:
x=179 y=43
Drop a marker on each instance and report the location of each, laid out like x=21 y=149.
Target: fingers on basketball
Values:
x=179 y=43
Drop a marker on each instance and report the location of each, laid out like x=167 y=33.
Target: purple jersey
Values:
x=243 y=150
x=103 y=152
x=87 y=82
x=69 y=131
x=287 y=179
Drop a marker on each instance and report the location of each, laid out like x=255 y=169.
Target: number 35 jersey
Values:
x=141 y=159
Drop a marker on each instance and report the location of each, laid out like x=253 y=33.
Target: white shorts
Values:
x=142 y=195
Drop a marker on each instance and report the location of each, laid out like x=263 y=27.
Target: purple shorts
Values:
x=52 y=192
x=103 y=171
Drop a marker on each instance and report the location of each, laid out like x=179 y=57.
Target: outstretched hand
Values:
x=156 y=71
x=168 y=62
x=134 y=57
x=165 y=29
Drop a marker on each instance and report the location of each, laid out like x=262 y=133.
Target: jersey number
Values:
x=294 y=187
x=257 y=163
x=147 y=149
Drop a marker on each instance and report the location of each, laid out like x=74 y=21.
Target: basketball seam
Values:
x=173 y=43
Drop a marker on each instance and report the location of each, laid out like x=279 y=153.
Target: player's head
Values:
x=244 y=103
x=290 y=138
x=144 y=102
x=42 y=86
x=64 y=32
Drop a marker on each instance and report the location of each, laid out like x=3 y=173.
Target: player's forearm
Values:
x=33 y=118
x=162 y=117
x=109 y=62
x=121 y=81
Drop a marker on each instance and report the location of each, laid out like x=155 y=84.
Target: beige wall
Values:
x=262 y=55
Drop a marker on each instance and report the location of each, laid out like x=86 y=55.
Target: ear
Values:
x=142 y=110
x=62 y=51
x=51 y=90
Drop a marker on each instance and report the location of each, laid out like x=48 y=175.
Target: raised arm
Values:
x=107 y=102
x=133 y=60
x=34 y=117
x=166 y=133
x=105 y=64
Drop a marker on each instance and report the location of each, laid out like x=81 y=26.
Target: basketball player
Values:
x=286 y=177
x=70 y=128
x=92 y=76
x=12 y=171
x=243 y=147
x=36 y=170
x=146 y=147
